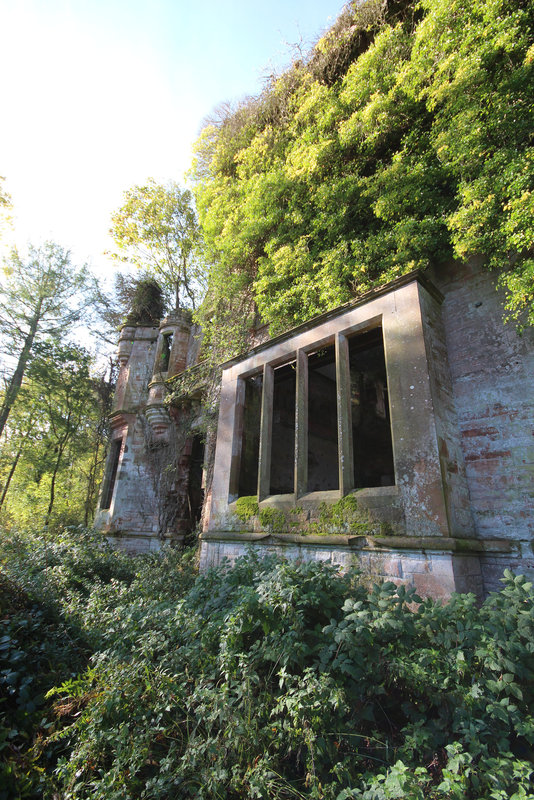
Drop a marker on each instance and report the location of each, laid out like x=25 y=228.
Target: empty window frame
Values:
x=250 y=437
x=166 y=346
x=322 y=445
x=369 y=411
x=282 y=475
x=113 y=465
x=324 y=423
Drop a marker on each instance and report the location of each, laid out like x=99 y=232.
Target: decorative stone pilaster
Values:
x=125 y=344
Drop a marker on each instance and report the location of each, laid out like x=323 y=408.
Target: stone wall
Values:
x=151 y=484
x=492 y=370
x=434 y=569
x=461 y=393
x=471 y=470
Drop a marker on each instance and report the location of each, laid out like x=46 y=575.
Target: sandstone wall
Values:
x=492 y=371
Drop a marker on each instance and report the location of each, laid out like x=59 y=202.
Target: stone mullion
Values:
x=344 y=416
x=301 y=425
x=266 y=428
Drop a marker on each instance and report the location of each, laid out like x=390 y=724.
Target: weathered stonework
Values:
x=461 y=389
x=459 y=508
x=131 y=510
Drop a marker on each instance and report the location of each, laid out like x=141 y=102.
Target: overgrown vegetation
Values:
x=345 y=516
x=402 y=141
x=269 y=679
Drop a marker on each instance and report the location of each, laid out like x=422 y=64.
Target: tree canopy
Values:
x=39 y=297
x=403 y=140
x=156 y=229
x=52 y=436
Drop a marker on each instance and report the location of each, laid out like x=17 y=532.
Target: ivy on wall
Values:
x=403 y=140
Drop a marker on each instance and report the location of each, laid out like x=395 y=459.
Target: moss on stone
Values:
x=246 y=507
x=344 y=517
x=274 y=519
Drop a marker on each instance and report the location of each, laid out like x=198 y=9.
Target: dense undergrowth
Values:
x=270 y=679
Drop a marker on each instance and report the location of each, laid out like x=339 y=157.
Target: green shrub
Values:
x=274 y=679
x=278 y=680
x=37 y=650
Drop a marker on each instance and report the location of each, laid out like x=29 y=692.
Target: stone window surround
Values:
x=112 y=470
x=416 y=424
x=344 y=436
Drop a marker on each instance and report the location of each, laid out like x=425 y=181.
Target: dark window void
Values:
x=371 y=428
x=323 y=473
x=195 y=490
x=250 y=441
x=165 y=352
x=283 y=430
x=113 y=465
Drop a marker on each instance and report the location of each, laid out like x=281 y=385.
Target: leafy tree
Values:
x=157 y=230
x=402 y=140
x=18 y=437
x=40 y=295
x=111 y=307
x=55 y=435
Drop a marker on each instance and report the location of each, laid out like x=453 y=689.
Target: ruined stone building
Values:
x=395 y=432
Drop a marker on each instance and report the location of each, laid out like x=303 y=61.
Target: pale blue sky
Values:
x=97 y=95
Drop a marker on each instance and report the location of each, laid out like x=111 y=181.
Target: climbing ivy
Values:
x=403 y=140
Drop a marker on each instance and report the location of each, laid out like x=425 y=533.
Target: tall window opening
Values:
x=283 y=430
x=165 y=352
x=323 y=472
x=337 y=396
x=371 y=428
x=113 y=465
x=195 y=490
x=250 y=440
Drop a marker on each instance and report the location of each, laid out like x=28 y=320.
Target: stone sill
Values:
x=420 y=543
x=369 y=496
x=129 y=534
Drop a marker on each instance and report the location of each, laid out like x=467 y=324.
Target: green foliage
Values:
x=41 y=295
x=404 y=140
x=273 y=519
x=246 y=507
x=37 y=649
x=271 y=680
x=5 y=208
x=343 y=516
x=53 y=432
x=45 y=582
x=156 y=229
x=147 y=304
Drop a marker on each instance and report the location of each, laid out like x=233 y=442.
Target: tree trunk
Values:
x=91 y=485
x=53 y=484
x=16 y=379
x=11 y=473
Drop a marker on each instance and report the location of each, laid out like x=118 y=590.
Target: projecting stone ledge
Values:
x=435 y=566
x=441 y=543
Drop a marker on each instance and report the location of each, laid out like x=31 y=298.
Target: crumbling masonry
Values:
x=395 y=432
